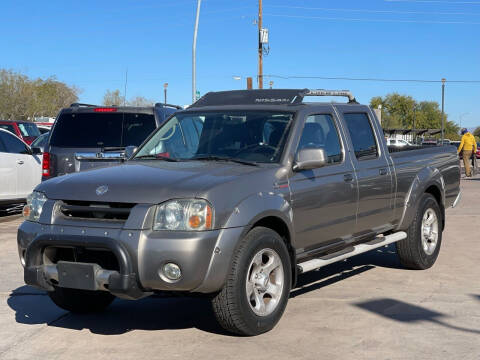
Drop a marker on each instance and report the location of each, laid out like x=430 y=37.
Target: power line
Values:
x=375 y=11
x=438 y=2
x=376 y=20
x=286 y=77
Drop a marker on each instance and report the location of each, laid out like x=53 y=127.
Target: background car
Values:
x=87 y=136
x=25 y=130
x=429 y=142
x=398 y=142
x=41 y=141
x=43 y=128
x=20 y=169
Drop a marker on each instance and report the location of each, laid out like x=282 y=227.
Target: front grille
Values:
x=102 y=257
x=95 y=210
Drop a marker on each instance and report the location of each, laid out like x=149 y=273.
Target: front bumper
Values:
x=203 y=257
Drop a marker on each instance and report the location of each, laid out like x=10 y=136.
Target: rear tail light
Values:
x=46 y=164
x=105 y=109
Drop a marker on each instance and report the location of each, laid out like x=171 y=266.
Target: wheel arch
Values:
x=429 y=180
x=281 y=228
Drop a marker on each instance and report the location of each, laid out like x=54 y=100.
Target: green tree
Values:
x=476 y=132
x=22 y=98
x=399 y=111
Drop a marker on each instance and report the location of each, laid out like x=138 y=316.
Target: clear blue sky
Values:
x=90 y=44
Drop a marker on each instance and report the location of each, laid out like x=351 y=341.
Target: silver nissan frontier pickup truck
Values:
x=234 y=198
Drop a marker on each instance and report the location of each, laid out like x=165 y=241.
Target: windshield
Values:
x=257 y=136
x=28 y=129
x=102 y=129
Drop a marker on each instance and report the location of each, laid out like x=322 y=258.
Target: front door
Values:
x=28 y=167
x=8 y=172
x=324 y=200
x=373 y=174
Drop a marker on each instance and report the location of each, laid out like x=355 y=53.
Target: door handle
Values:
x=382 y=171
x=19 y=162
x=348 y=177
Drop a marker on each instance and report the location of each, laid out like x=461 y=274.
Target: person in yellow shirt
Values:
x=469 y=146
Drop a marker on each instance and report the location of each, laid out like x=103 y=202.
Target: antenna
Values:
x=125 y=87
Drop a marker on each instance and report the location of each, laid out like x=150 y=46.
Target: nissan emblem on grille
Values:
x=102 y=189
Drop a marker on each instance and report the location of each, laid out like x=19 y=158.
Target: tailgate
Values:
x=90 y=160
x=66 y=161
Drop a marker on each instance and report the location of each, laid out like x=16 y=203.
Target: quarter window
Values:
x=361 y=133
x=320 y=132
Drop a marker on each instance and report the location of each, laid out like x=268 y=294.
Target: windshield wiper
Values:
x=155 y=157
x=221 y=158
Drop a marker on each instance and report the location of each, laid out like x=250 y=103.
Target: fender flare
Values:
x=426 y=178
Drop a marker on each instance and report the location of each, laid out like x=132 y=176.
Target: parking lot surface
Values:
x=367 y=307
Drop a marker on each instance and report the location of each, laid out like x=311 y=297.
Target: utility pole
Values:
x=260 y=46
x=414 y=137
x=194 y=54
x=443 y=106
x=249 y=83
x=165 y=86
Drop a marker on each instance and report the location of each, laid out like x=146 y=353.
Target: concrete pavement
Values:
x=367 y=307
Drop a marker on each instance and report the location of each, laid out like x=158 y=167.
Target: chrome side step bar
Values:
x=379 y=241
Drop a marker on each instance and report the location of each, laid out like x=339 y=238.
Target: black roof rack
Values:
x=267 y=96
x=168 y=105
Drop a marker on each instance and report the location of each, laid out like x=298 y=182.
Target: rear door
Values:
x=324 y=200
x=374 y=175
x=88 y=139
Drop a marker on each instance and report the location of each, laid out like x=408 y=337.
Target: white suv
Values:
x=20 y=170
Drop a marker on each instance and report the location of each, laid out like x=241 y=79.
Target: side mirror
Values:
x=308 y=159
x=36 y=151
x=129 y=151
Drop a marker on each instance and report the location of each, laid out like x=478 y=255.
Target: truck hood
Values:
x=147 y=182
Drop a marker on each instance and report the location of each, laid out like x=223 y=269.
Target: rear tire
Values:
x=257 y=288
x=81 y=301
x=420 y=249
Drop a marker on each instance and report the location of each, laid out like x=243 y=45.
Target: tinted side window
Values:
x=320 y=132
x=13 y=145
x=361 y=133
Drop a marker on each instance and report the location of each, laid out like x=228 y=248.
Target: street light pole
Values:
x=165 y=86
x=443 y=107
x=194 y=54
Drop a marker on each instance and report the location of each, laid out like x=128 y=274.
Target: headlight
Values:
x=33 y=209
x=195 y=214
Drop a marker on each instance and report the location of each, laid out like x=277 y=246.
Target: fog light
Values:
x=172 y=271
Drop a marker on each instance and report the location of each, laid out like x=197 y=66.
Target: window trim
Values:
x=366 y=157
x=335 y=124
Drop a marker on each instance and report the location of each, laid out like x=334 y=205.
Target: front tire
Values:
x=420 y=249
x=80 y=301
x=257 y=288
